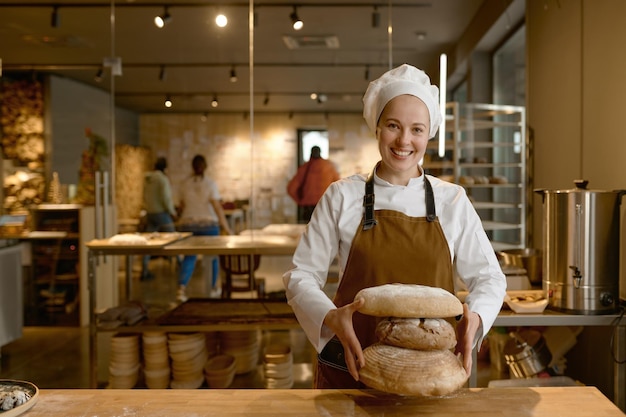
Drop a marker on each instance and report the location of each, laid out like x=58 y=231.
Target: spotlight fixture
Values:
x=221 y=20
x=266 y=101
x=163 y=19
x=295 y=20
x=55 y=20
x=168 y=102
x=99 y=75
x=233 y=75
x=162 y=73
x=214 y=102
x=375 y=17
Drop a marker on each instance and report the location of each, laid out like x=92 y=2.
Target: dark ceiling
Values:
x=338 y=51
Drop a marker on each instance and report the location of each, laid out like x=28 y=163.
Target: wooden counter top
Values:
x=484 y=402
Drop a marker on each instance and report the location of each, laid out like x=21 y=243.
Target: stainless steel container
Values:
x=526 y=353
x=581 y=249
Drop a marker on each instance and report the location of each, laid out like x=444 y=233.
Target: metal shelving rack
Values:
x=486 y=153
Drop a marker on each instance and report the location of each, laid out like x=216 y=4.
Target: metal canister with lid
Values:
x=581 y=249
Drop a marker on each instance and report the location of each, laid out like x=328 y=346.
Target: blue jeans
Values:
x=189 y=261
x=156 y=222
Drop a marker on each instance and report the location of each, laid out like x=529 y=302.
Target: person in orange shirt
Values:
x=310 y=182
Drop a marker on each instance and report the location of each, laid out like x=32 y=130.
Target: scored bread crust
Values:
x=409 y=300
x=422 y=373
x=413 y=333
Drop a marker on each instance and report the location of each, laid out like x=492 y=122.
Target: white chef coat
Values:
x=333 y=227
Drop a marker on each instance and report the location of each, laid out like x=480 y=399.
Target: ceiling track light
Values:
x=164 y=19
x=162 y=73
x=99 y=75
x=168 y=101
x=296 y=22
x=55 y=20
x=214 y=102
x=375 y=17
x=233 y=75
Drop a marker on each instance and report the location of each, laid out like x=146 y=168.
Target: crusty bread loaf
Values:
x=409 y=300
x=412 y=372
x=411 y=333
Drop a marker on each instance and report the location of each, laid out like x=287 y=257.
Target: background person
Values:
x=417 y=230
x=202 y=214
x=158 y=204
x=309 y=183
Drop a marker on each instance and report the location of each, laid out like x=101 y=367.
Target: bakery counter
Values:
x=484 y=402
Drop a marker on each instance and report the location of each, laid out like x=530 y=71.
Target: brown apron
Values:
x=389 y=247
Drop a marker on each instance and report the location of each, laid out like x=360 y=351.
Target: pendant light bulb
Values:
x=168 y=102
x=214 y=102
x=221 y=20
x=233 y=75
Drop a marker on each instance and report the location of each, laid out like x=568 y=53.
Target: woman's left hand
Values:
x=465 y=332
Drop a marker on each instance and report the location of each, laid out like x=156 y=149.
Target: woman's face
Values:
x=402 y=135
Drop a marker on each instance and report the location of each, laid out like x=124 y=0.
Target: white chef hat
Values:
x=404 y=79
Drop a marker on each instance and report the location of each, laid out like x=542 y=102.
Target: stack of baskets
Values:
x=156 y=360
x=189 y=354
x=243 y=346
x=124 y=361
x=278 y=366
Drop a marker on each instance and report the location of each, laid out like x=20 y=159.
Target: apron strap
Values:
x=431 y=214
x=368 y=203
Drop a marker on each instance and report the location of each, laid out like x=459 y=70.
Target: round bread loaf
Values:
x=412 y=372
x=409 y=300
x=413 y=333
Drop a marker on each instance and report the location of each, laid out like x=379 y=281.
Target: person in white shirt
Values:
x=202 y=214
x=397 y=225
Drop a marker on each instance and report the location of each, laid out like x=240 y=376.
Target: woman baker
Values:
x=397 y=225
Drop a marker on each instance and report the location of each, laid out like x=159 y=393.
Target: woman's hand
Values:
x=339 y=321
x=465 y=332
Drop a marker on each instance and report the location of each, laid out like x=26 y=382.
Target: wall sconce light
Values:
x=164 y=19
x=221 y=20
x=55 y=19
x=375 y=17
x=296 y=22
x=162 y=73
x=99 y=75
x=214 y=102
x=168 y=101
x=233 y=75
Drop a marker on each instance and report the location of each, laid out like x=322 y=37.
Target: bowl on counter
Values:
x=528 y=258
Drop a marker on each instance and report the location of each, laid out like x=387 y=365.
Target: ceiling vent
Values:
x=311 y=42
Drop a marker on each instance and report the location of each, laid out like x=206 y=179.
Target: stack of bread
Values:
x=413 y=355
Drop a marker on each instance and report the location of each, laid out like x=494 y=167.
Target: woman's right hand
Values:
x=339 y=321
